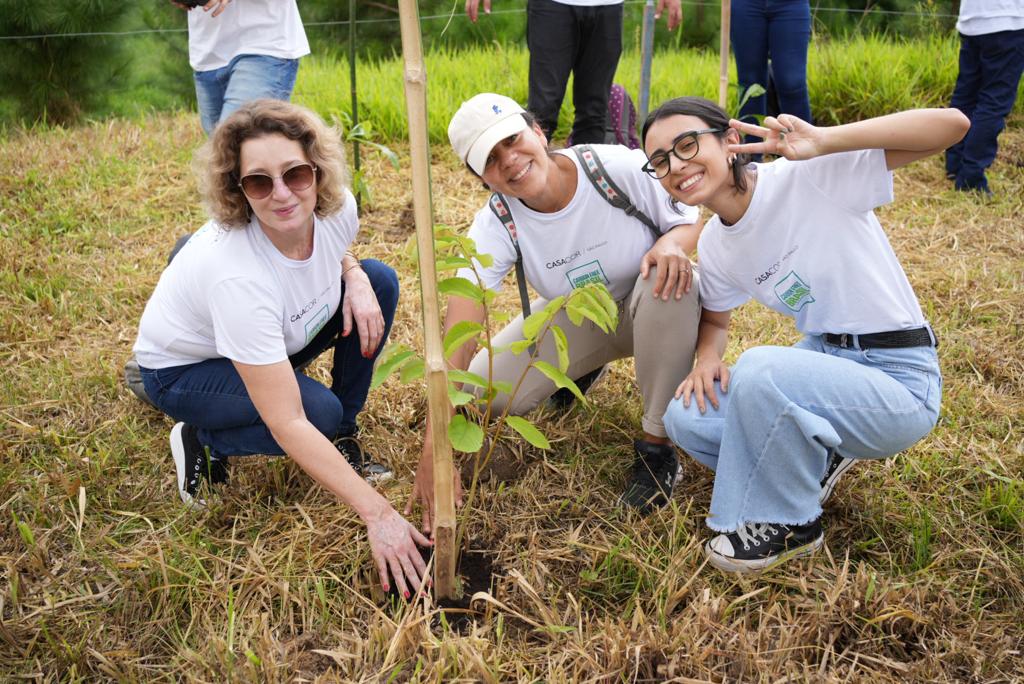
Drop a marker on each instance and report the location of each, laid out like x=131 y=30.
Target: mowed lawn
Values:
x=104 y=575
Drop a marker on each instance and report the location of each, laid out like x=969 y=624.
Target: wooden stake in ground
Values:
x=436 y=371
x=723 y=71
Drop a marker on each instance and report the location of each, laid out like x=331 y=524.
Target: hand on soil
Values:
x=393 y=545
x=423 y=490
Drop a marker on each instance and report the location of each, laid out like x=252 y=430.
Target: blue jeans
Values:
x=776 y=29
x=219 y=92
x=211 y=395
x=986 y=88
x=769 y=440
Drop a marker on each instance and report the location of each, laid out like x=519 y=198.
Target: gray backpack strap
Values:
x=499 y=205
x=604 y=184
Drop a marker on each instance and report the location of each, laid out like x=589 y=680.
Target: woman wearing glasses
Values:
x=569 y=234
x=262 y=289
x=800 y=236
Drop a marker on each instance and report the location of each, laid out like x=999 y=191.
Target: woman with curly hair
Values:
x=267 y=285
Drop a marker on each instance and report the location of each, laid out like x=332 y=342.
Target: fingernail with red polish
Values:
x=406 y=595
x=386 y=587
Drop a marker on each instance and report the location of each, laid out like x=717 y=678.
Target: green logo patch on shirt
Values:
x=793 y=292
x=590 y=272
x=316 y=322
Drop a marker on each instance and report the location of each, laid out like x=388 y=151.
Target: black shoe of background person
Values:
x=563 y=399
x=371 y=470
x=653 y=477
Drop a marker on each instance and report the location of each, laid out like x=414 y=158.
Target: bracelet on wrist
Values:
x=353 y=266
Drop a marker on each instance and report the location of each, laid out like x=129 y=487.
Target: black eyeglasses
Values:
x=684 y=147
x=258 y=186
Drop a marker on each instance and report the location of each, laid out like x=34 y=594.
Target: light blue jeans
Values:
x=768 y=442
x=219 y=92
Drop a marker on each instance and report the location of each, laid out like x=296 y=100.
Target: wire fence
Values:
x=868 y=11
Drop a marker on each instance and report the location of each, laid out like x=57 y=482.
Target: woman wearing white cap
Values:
x=569 y=235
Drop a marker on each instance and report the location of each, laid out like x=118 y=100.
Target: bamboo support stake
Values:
x=723 y=70
x=436 y=370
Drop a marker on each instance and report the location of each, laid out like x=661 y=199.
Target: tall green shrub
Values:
x=58 y=77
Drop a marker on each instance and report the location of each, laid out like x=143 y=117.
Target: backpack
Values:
x=620 y=126
x=604 y=184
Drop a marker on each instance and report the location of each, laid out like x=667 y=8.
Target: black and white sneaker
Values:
x=837 y=465
x=562 y=400
x=361 y=462
x=758 y=546
x=655 y=473
x=193 y=464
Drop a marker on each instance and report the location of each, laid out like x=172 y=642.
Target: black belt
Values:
x=896 y=339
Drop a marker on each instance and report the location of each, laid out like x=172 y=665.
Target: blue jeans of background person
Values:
x=219 y=92
x=786 y=407
x=776 y=29
x=584 y=40
x=212 y=396
x=986 y=88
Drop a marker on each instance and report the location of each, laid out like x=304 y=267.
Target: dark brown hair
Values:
x=712 y=115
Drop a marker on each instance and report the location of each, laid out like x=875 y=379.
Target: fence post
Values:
x=723 y=75
x=646 y=57
x=352 y=83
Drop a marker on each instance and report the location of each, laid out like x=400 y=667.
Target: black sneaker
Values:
x=837 y=465
x=193 y=463
x=562 y=400
x=655 y=472
x=758 y=546
x=361 y=462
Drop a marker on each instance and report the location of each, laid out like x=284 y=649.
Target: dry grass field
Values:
x=105 y=577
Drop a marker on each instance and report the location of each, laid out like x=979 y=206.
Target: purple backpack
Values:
x=620 y=127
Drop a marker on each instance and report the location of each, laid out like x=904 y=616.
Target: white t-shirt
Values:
x=588 y=240
x=810 y=246
x=245 y=27
x=588 y=3
x=978 y=17
x=229 y=293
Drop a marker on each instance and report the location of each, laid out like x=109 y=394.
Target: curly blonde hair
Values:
x=217 y=162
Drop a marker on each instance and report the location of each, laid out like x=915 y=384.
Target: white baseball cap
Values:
x=481 y=123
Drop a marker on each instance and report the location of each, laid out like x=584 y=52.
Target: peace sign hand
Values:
x=787 y=136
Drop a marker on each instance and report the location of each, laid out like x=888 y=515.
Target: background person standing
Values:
x=241 y=51
x=779 y=30
x=991 y=61
x=582 y=37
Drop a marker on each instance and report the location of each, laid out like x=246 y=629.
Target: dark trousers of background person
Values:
x=211 y=395
x=776 y=29
x=584 y=40
x=986 y=87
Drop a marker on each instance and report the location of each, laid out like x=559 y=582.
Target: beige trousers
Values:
x=660 y=335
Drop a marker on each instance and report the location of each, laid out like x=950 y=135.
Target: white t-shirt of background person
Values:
x=588 y=240
x=245 y=27
x=981 y=17
x=229 y=293
x=588 y=3
x=810 y=246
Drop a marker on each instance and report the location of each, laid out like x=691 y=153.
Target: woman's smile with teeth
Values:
x=521 y=173
x=690 y=181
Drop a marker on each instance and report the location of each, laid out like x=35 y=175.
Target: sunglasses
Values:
x=684 y=148
x=258 y=186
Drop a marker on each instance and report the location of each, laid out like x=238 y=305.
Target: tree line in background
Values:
x=63 y=78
